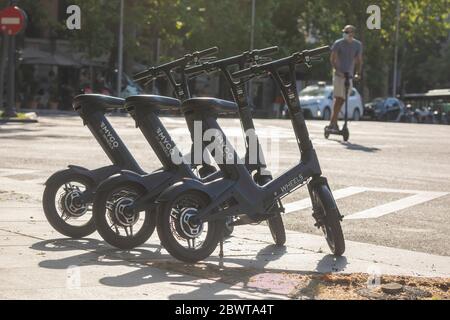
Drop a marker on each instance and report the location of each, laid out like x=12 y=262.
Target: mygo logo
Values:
x=109 y=138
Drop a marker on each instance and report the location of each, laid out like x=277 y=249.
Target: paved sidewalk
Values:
x=36 y=263
x=36 y=266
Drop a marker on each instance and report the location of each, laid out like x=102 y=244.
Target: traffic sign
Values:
x=12 y=20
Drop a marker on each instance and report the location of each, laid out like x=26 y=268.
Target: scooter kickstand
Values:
x=222 y=236
x=221 y=249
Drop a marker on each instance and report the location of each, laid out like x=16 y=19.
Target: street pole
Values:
x=252 y=32
x=157 y=54
x=4 y=57
x=394 y=80
x=120 y=54
x=10 y=108
x=252 y=46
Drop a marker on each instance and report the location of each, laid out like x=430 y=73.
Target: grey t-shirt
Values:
x=346 y=54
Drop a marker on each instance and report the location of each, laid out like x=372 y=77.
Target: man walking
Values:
x=346 y=53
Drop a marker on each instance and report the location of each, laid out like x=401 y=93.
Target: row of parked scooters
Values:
x=192 y=206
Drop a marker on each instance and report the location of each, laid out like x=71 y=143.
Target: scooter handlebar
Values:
x=247 y=56
x=266 y=51
x=295 y=58
x=156 y=71
x=206 y=52
x=245 y=72
x=316 y=51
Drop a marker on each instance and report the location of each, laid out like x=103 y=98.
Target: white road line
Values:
x=306 y=203
x=397 y=205
x=416 y=198
x=10 y=172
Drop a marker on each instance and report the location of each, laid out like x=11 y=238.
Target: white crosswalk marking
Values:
x=416 y=198
x=306 y=203
x=397 y=205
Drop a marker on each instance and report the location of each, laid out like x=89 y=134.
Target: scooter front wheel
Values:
x=277 y=230
x=181 y=234
x=329 y=218
x=63 y=204
x=118 y=225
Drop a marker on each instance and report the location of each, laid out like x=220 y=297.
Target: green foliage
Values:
x=186 y=25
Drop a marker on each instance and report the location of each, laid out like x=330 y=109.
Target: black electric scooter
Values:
x=200 y=208
x=116 y=221
x=344 y=132
x=114 y=209
x=68 y=194
x=257 y=166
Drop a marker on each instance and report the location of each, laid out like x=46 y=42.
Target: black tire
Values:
x=326 y=133
x=56 y=220
x=326 y=113
x=346 y=135
x=332 y=229
x=103 y=218
x=166 y=227
x=356 y=115
x=277 y=230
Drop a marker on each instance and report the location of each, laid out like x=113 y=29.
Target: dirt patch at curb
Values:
x=311 y=285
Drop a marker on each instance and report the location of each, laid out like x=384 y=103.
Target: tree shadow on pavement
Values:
x=238 y=272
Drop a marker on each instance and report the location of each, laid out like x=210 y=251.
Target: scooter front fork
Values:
x=318 y=213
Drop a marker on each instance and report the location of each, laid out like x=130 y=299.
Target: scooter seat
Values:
x=217 y=105
x=98 y=100
x=153 y=102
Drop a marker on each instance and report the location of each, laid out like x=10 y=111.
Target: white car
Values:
x=317 y=102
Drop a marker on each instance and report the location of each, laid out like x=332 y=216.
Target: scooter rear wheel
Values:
x=115 y=224
x=277 y=230
x=330 y=224
x=181 y=235
x=326 y=132
x=62 y=204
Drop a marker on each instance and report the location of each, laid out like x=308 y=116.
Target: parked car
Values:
x=424 y=115
x=317 y=102
x=386 y=109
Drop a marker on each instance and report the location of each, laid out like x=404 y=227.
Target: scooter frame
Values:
x=94 y=118
x=258 y=202
x=238 y=90
x=153 y=129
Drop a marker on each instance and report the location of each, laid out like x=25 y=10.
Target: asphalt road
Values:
x=394 y=179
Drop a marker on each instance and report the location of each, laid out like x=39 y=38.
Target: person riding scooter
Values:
x=346 y=53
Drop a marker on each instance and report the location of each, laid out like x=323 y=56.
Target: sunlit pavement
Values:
x=392 y=182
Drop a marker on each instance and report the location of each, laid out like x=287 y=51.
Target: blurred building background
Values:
x=54 y=63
